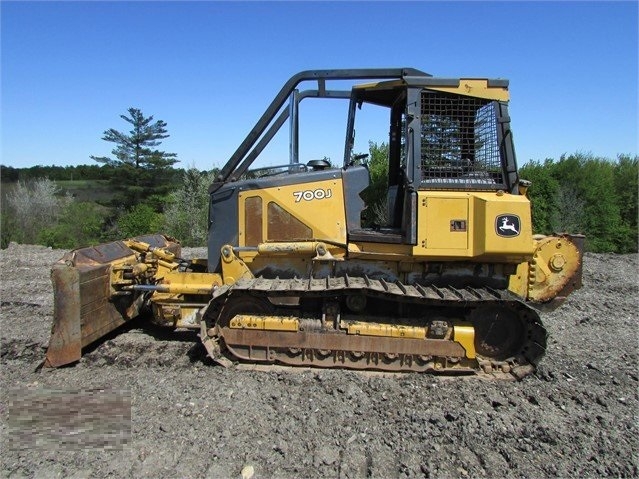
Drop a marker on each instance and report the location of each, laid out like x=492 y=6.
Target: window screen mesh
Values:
x=459 y=146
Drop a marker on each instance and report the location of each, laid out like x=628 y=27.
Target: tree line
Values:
x=145 y=193
x=581 y=193
x=10 y=174
x=578 y=193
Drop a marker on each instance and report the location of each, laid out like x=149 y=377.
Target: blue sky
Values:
x=209 y=69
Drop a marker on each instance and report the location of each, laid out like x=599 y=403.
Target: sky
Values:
x=210 y=69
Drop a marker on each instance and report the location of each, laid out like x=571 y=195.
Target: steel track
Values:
x=326 y=348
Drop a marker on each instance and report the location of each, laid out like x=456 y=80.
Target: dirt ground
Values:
x=576 y=417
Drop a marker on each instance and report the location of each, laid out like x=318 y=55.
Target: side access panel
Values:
x=459 y=225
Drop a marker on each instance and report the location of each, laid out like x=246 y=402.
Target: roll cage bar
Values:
x=259 y=136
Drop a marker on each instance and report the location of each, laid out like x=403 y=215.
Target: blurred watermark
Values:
x=69 y=420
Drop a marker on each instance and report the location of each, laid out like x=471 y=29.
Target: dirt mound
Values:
x=576 y=417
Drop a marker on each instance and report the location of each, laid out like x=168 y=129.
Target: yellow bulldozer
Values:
x=452 y=282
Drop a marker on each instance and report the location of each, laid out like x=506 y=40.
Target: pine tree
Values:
x=141 y=171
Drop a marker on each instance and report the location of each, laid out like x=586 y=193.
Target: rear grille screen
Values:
x=459 y=147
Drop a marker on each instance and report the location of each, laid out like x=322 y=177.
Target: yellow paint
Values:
x=168 y=265
x=303 y=248
x=266 y=323
x=145 y=247
x=518 y=282
x=233 y=268
x=435 y=217
x=555 y=262
x=190 y=283
x=464 y=334
x=385 y=330
x=318 y=205
x=438 y=238
x=380 y=251
x=477 y=88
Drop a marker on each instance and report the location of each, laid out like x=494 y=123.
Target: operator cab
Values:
x=443 y=135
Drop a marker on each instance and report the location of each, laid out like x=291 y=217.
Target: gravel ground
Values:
x=576 y=417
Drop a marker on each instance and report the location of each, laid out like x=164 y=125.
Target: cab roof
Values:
x=385 y=93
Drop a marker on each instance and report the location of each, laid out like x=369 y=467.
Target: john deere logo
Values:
x=507 y=225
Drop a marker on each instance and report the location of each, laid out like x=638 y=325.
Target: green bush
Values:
x=139 y=220
x=79 y=225
x=29 y=207
x=7 y=227
x=542 y=194
x=376 y=195
x=186 y=213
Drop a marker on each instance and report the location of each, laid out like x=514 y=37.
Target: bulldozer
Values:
x=452 y=281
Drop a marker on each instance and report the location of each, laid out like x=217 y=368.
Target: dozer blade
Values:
x=85 y=306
